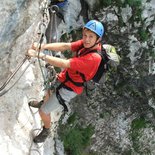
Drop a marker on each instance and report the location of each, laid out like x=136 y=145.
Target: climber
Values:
x=70 y=79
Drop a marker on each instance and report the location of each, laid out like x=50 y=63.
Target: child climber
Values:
x=71 y=81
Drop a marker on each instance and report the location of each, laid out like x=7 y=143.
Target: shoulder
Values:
x=95 y=55
x=92 y=58
x=78 y=42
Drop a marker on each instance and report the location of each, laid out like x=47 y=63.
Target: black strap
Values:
x=78 y=84
x=84 y=82
x=60 y=99
x=68 y=88
x=86 y=52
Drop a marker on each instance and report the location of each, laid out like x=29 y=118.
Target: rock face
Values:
x=19 y=28
x=122 y=110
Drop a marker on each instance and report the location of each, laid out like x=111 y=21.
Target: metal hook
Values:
x=42 y=28
x=54 y=8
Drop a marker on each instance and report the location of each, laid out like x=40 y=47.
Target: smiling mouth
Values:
x=86 y=43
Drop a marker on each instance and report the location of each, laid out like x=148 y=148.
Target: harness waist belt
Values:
x=66 y=87
x=78 y=84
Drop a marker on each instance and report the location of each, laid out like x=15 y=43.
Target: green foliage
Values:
x=152 y=54
x=72 y=118
x=138 y=123
x=136 y=15
x=127 y=152
x=57 y=69
x=75 y=137
x=137 y=9
x=122 y=86
x=90 y=153
x=73 y=141
x=67 y=54
x=144 y=34
x=105 y=3
x=104 y=114
x=119 y=3
x=135 y=133
x=136 y=6
x=64 y=37
x=72 y=36
x=134 y=3
x=120 y=22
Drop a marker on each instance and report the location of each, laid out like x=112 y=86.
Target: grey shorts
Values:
x=53 y=107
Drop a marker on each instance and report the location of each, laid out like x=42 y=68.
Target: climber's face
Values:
x=89 y=38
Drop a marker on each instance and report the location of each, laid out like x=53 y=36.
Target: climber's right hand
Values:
x=35 y=46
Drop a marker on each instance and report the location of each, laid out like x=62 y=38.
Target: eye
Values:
x=84 y=35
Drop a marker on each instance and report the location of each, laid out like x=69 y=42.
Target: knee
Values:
x=43 y=114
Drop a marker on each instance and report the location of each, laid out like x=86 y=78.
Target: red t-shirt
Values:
x=87 y=64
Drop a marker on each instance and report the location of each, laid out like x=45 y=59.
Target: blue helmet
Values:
x=96 y=27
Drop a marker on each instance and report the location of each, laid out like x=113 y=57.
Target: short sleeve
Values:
x=77 y=45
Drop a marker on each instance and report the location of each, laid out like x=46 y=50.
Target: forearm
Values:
x=56 y=46
x=57 y=62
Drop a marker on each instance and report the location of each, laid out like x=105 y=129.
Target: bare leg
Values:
x=46 y=128
x=38 y=104
x=46 y=118
x=47 y=95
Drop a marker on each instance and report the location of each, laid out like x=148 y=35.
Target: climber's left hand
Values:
x=32 y=53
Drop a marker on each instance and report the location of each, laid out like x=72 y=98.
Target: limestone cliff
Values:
x=121 y=110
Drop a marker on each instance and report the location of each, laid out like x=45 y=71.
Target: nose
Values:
x=86 y=38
